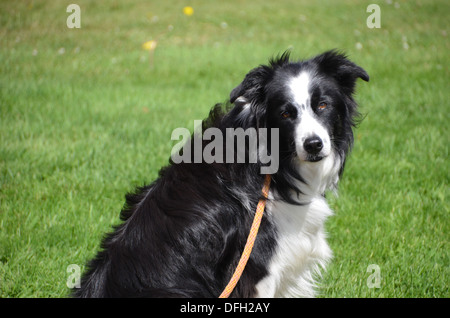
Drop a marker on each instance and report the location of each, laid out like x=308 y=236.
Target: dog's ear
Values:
x=249 y=96
x=343 y=70
x=240 y=101
x=252 y=87
x=237 y=92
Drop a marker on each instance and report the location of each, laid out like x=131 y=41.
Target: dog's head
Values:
x=309 y=101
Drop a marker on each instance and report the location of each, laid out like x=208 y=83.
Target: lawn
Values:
x=86 y=115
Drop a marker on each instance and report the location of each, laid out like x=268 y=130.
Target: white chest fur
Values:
x=301 y=248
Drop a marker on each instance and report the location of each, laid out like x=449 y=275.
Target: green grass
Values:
x=82 y=126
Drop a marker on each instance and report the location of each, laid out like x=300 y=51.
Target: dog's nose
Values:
x=313 y=145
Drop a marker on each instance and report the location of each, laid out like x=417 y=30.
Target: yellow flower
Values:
x=149 y=45
x=188 y=11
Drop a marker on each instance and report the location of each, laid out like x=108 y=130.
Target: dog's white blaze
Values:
x=299 y=87
x=308 y=124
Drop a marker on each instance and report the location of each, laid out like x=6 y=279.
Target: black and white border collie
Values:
x=182 y=235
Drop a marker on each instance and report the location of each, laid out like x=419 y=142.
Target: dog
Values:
x=182 y=235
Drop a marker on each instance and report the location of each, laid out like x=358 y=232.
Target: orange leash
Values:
x=250 y=241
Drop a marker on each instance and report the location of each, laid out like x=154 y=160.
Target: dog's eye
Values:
x=322 y=105
x=285 y=114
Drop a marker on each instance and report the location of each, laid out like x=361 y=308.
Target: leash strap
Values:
x=250 y=241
